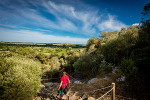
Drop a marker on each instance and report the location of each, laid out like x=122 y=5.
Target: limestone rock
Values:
x=122 y=78
x=74 y=97
x=50 y=84
x=77 y=82
x=37 y=98
x=92 y=80
x=91 y=98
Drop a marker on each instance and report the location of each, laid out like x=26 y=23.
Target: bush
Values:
x=43 y=58
x=54 y=63
x=82 y=65
x=128 y=68
x=104 y=67
x=91 y=65
x=20 y=78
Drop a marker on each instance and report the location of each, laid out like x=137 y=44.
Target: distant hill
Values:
x=42 y=44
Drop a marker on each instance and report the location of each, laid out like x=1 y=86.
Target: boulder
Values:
x=50 y=84
x=122 y=78
x=65 y=97
x=91 y=98
x=74 y=97
x=92 y=80
x=37 y=98
x=77 y=82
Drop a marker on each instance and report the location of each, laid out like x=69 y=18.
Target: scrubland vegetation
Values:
x=22 y=67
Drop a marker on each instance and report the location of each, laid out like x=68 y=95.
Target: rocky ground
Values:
x=90 y=90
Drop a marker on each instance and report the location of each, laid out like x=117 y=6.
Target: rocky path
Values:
x=90 y=90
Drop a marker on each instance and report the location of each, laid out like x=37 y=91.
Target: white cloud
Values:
x=111 y=24
x=37 y=37
x=86 y=18
x=135 y=24
x=39 y=20
x=67 y=18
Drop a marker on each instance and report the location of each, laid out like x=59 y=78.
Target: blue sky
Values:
x=65 y=21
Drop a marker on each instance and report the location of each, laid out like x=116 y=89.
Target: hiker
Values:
x=63 y=87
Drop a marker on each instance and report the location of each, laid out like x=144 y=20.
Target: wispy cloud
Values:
x=27 y=16
x=111 y=24
x=89 y=20
x=68 y=18
x=37 y=37
x=84 y=19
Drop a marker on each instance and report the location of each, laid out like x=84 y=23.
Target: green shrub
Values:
x=128 y=68
x=20 y=78
x=104 y=67
x=91 y=65
x=82 y=65
x=43 y=58
x=54 y=63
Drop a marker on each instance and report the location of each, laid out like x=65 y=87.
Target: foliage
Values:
x=142 y=60
x=43 y=58
x=120 y=45
x=128 y=67
x=54 y=63
x=51 y=58
x=69 y=48
x=50 y=74
x=20 y=78
x=90 y=65
x=104 y=67
x=91 y=44
x=82 y=66
x=142 y=48
x=129 y=48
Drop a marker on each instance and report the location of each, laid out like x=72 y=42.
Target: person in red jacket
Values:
x=64 y=84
